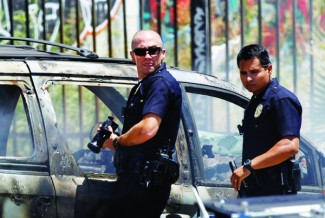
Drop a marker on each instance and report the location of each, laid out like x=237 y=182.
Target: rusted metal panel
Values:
x=66 y=191
x=13 y=67
x=26 y=196
x=83 y=69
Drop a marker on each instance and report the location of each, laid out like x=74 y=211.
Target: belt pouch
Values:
x=163 y=171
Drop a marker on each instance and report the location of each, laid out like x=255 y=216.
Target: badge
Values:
x=258 y=111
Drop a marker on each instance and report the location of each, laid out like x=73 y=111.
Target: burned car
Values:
x=51 y=105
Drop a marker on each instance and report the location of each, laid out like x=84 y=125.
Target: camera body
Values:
x=97 y=142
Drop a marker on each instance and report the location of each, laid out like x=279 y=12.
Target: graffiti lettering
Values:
x=199 y=41
x=35 y=13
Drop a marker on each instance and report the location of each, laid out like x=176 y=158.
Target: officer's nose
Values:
x=249 y=78
x=147 y=55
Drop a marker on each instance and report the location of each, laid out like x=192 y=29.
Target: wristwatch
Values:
x=247 y=164
x=116 y=145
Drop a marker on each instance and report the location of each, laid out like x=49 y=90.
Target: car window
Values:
x=79 y=110
x=15 y=132
x=306 y=166
x=216 y=121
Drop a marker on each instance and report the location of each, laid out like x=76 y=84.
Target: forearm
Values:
x=142 y=131
x=280 y=152
x=135 y=136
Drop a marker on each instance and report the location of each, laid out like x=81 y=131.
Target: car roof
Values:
x=27 y=52
x=194 y=77
x=80 y=56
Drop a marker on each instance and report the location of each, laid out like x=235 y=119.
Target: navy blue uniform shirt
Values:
x=268 y=118
x=158 y=93
x=137 y=188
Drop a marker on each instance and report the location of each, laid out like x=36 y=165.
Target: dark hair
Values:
x=254 y=51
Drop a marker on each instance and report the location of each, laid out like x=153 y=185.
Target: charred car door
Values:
x=75 y=103
x=26 y=189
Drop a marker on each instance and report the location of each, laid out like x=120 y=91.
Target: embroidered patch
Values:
x=258 y=111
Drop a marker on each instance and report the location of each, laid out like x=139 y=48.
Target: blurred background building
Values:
x=202 y=35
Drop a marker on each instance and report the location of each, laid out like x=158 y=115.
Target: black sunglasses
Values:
x=151 y=50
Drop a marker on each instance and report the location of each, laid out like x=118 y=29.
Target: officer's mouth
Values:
x=148 y=64
x=250 y=86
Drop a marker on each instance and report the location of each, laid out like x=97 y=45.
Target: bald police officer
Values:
x=151 y=122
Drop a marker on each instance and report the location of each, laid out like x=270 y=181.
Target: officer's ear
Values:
x=133 y=56
x=269 y=69
x=163 y=53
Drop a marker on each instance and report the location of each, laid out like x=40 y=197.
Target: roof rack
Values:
x=81 y=51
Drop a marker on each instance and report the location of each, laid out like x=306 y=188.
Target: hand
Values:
x=99 y=127
x=109 y=142
x=238 y=176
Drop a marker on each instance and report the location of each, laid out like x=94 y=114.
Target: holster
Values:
x=157 y=171
x=291 y=175
x=160 y=172
x=294 y=175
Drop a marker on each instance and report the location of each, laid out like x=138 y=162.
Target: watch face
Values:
x=247 y=162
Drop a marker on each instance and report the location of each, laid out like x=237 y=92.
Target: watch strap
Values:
x=116 y=145
x=247 y=164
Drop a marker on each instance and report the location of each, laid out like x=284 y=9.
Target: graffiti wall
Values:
x=200 y=35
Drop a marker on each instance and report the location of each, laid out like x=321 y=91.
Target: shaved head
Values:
x=147 y=35
x=147 y=62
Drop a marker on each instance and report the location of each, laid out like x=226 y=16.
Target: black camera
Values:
x=97 y=143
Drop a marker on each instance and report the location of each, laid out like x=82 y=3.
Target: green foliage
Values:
x=20 y=127
x=76 y=108
x=19 y=20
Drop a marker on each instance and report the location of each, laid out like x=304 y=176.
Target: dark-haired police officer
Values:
x=151 y=122
x=271 y=129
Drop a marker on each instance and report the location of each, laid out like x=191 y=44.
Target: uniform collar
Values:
x=161 y=68
x=272 y=85
x=143 y=81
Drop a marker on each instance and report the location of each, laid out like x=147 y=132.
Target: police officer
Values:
x=271 y=129
x=151 y=122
